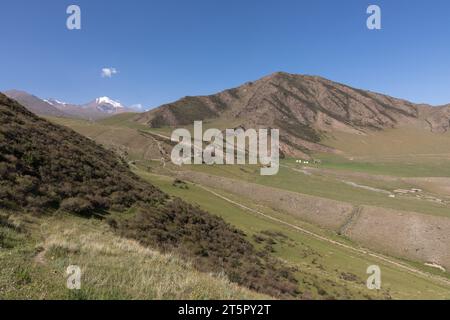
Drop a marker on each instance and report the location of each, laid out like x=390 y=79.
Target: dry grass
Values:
x=112 y=267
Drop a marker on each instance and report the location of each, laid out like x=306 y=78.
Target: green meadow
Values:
x=323 y=268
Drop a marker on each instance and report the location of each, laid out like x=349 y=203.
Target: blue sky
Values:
x=167 y=49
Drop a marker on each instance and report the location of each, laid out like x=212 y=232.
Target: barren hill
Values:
x=304 y=108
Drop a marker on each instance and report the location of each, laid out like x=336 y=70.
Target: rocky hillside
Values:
x=304 y=108
x=438 y=119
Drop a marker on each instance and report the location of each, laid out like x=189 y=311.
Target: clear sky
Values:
x=165 y=49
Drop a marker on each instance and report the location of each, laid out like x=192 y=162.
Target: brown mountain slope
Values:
x=45 y=167
x=438 y=119
x=304 y=108
x=34 y=104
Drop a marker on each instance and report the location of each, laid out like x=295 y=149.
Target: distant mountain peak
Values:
x=106 y=105
x=35 y=104
x=107 y=100
x=99 y=108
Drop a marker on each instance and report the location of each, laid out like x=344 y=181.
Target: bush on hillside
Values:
x=77 y=205
x=212 y=244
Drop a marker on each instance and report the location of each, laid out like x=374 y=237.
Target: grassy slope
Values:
x=392 y=142
x=123 y=118
x=124 y=139
x=33 y=263
x=407 y=151
x=323 y=186
x=321 y=265
x=305 y=249
x=385 y=152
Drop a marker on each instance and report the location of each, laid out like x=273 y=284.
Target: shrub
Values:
x=22 y=276
x=77 y=205
x=211 y=243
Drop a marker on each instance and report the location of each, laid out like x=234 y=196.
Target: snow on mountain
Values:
x=35 y=104
x=109 y=101
x=55 y=102
x=99 y=108
x=106 y=105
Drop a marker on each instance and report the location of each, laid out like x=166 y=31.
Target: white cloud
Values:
x=137 y=107
x=108 y=72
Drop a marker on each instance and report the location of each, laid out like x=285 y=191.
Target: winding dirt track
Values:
x=362 y=251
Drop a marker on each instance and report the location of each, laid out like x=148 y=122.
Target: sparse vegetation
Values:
x=197 y=109
x=180 y=184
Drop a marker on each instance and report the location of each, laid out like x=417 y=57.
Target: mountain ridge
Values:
x=96 y=109
x=305 y=109
x=35 y=104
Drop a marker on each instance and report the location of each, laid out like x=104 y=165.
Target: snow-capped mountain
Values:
x=35 y=104
x=106 y=105
x=97 y=109
x=54 y=102
x=106 y=100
